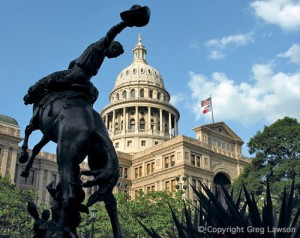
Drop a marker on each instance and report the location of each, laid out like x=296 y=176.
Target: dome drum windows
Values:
x=142 y=125
x=142 y=93
x=132 y=93
x=132 y=125
x=150 y=93
x=124 y=94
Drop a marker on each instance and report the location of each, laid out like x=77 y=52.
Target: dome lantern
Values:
x=139 y=51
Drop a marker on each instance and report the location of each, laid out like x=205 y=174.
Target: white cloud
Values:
x=270 y=97
x=236 y=40
x=292 y=53
x=194 y=45
x=176 y=98
x=217 y=46
x=216 y=54
x=285 y=13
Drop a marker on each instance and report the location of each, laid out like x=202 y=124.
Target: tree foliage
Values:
x=277 y=156
x=151 y=209
x=14 y=218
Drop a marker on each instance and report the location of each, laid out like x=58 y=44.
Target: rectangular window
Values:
x=121 y=171
x=193 y=159
x=172 y=160
x=173 y=185
x=140 y=171
x=117 y=145
x=143 y=143
x=125 y=172
x=129 y=143
x=136 y=172
x=198 y=161
x=152 y=167
x=167 y=162
x=148 y=169
x=167 y=186
x=206 y=161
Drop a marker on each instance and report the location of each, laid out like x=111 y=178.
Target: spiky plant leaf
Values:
x=253 y=209
x=179 y=226
x=151 y=232
x=282 y=215
x=267 y=213
x=236 y=216
x=289 y=208
x=218 y=209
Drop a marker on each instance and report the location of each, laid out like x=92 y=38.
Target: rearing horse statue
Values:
x=63 y=112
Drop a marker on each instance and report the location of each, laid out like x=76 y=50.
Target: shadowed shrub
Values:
x=239 y=219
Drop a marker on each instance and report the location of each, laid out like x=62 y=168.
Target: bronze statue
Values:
x=62 y=110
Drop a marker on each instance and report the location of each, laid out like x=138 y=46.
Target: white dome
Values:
x=139 y=71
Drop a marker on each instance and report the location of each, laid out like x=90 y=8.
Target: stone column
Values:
x=113 y=122
x=160 y=122
x=126 y=125
x=124 y=121
x=106 y=121
x=170 y=125
x=149 y=119
x=39 y=181
x=13 y=164
x=4 y=160
x=175 y=126
x=136 y=119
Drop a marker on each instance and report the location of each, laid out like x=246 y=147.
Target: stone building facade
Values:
x=143 y=127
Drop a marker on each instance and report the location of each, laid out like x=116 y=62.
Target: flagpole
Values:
x=212 y=110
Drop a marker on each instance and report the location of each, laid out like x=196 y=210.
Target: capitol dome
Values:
x=8 y=120
x=139 y=114
x=139 y=71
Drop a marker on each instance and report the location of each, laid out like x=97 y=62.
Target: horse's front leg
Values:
x=36 y=149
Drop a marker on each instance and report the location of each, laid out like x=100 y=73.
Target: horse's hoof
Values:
x=25 y=174
x=24 y=157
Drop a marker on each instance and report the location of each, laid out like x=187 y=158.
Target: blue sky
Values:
x=246 y=54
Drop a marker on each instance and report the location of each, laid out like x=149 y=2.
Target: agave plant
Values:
x=239 y=219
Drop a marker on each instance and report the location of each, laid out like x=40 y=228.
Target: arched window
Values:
x=150 y=93
x=142 y=93
x=132 y=124
x=158 y=95
x=117 y=96
x=132 y=93
x=124 y=94
x=142 y=124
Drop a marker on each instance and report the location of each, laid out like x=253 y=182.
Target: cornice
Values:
x=138 y=102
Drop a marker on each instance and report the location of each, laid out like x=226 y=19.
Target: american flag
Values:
x=206 y=102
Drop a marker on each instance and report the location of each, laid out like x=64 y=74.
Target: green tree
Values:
x=14 y=218
x=277 y=156
x=151 y=209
